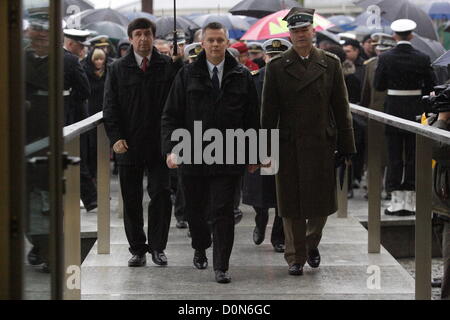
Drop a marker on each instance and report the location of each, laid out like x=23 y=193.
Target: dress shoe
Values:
x=237 y=216
x=258 y=235
x=279 y=247
x=34 y=258
x=313 y=258
x=137 y=261
x=200 y=260
x=296 y=270
x=222 y=276
x=91 y=206
x=159 y=258
x=181 y=224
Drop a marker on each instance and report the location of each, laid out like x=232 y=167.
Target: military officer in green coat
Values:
x=305 y=97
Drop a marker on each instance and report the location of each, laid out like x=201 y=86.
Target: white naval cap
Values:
x=403 y=25
x=78 y=35
x=193 y=50
x=276 y=45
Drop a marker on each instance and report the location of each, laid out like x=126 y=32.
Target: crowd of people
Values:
x=146 y=91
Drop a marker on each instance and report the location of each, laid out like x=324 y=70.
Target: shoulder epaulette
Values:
x=254 y=72
x=369 y=61
x=332 y=55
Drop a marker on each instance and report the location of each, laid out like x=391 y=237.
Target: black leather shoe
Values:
x=159 y=258
x=258 y=235
x=200 y=260
x=279 y=247
x=296 y=270
x=137 y=261
x=181 y=224
x=91 y=206
x=222 y=276
x=313 y=258
x=34 y=258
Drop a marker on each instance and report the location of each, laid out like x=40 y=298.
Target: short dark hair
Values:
x=366 y=38
x=214 y=26
x=141 y=23
x=403 y=35
x=354 y=43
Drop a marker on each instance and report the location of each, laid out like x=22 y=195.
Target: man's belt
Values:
x=45 y=93
x=392 y=92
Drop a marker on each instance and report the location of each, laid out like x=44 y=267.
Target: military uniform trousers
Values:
x=159 y=209
x=401 y=149
x=210 y=199
x=301 y=235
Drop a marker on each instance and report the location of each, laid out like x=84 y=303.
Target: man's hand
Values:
x=120 y=146
x=172 y=161
x=253 y=167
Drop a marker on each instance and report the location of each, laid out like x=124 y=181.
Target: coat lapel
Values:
x=316 y=68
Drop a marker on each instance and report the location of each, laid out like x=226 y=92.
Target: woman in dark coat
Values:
x=95 y=67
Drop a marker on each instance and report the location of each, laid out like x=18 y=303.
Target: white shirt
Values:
x=139 y=58
x=404 y=42
x=219 y=68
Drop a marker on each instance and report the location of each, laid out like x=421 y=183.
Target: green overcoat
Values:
x=308 y=103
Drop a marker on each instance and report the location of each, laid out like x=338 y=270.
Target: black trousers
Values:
x=211 y=199
x=159 y=209
x=261 y=219
x=401 y=143
x=88 y=188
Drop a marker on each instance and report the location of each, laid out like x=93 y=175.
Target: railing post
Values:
x=423 y=217
x=342 y=195
x=72 y=239
x=375 y=131
x=103 y=193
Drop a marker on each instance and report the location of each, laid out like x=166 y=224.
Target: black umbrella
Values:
x=432 y=48
x=96 y=15
x=261 y=8
x=115 y=31
x=69 y=6
x=164 y=26
x=392 y=10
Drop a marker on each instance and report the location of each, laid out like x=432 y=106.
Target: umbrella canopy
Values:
x=131 y=15
x=443 y=60
x=273 y=26
x=345 y=23
x=437 y=10
x=228 y=21
x=115 y=31
x=164 y=26
x=81 y=4
x=96 y=15
x=432 y=48
x=261 y=8
x=403 y=9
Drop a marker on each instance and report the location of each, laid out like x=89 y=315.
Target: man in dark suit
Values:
x=406 y=74
x=135 y=91
x=220 y=93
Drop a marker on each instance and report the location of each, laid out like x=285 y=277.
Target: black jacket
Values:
x=95 y=101
x=133 y=104
x=404 y=68
x=192 y=98
x=75 y=80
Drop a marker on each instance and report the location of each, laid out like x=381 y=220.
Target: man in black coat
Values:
x=259 y=191
x=135 y=92
x=76 y=92
x=406 y=74
x=220 y=94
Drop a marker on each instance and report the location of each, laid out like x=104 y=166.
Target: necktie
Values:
x=215 y=79
x=144 y=64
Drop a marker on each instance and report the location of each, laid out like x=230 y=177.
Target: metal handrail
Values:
x=411 y=126
x=78 y=128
